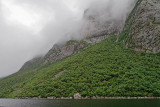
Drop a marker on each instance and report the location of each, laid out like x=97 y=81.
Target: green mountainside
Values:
x=104 y=69
x=111 y=68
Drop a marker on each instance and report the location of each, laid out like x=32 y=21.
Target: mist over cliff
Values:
x=32 y=27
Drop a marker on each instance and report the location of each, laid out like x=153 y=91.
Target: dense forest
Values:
x=108 y=68
x=104 y=69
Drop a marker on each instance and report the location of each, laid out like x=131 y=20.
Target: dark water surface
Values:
x=78 y=103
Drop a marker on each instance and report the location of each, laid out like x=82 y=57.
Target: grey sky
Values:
x=30 y=27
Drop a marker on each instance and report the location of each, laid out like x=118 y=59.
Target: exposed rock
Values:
x=70 y=48
x=93 y=31
x=95 y=39
x=61 y=51
x=77 y=96
x=58 y=52
x=50 y=97
x=39 y=97
x=66 y=98
x=87 y=97
x=94 y=97
x=57 y=75
x=91 y=98
x=145 y=26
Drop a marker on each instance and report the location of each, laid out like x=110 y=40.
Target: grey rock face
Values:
x=145 y=30
x=58 y=52
x=61 y=51
x=93 y=31
x=71 y=47
x=96 y=39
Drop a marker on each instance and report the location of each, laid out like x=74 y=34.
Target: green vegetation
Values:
x=104 y=69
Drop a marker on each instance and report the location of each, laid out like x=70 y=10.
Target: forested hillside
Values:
x=119 y=66
x=105 y=69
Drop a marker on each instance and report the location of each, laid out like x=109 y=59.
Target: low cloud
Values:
x=31 y=27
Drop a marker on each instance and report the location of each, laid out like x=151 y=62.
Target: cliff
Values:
x=142 y=29
x=100 y=66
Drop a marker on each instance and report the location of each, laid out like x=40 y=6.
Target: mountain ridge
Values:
x=110 y=68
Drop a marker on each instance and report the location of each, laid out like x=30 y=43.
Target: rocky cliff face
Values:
x=61 y=51
x=144 y=26
x=93 y=32
x=70 y=48
x=142 y=33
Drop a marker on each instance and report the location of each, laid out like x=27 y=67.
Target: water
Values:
x=78 y=103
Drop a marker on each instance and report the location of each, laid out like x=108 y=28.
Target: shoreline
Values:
x=89 y=98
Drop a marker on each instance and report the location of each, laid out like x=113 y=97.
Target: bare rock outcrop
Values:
x=70 y=48
x=61 y=51
x=58 y=52
x=59 y=74
x=144 y=26
x=77 y=96
x=93 y=31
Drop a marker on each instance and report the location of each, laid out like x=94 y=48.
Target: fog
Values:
x=31 y=27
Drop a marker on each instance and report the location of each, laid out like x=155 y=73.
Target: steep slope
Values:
x=70 y=48
x=60 y=51
x=31 y=63
x=104 y=69
x=94 y=29
x=143 y=27
x=57 y=52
